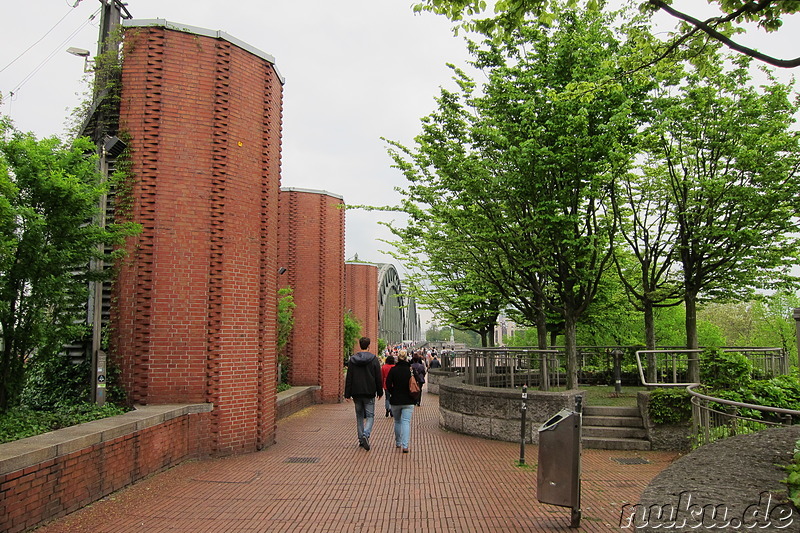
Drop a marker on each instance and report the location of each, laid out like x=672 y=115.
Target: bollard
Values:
x=524 y=409
x=617 y=355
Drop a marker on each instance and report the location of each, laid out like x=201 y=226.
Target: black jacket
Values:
x=397 y=384
x=364 y=378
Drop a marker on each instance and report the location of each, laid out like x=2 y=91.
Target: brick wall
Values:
x=361 y=295
x=194 y=319
x=311 y=241
x=63 y=471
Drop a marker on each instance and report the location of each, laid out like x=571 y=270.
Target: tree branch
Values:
x=706 y=27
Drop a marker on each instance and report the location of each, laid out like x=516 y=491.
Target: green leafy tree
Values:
x=775 y=326
x=645 y=259
x=518 y=176
x=459 y=336
x=441 y=281
x=352 y=332
x=766 y=320
x=610 y=320
x=286 y=307
x=510 y=14
x=49 y=194
x=733 y=183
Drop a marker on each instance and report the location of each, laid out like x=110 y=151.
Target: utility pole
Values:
x=108 y=149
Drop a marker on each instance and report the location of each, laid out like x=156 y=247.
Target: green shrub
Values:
x=670 y=406
x=724 y=370
x=780 y=391
x=55 y=381
x=21 y=422
x=792 y=480
x=352 y=331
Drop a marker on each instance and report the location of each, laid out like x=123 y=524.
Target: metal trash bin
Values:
x=559 y=470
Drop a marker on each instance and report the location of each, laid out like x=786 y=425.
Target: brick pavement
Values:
x=316 y=478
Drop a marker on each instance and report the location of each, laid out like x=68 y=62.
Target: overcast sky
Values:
x=355 y=70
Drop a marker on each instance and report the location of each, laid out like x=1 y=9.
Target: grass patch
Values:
x=605 y=395
x=525 y=466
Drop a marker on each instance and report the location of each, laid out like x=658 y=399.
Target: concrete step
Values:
x=614 y=432
x=613 y=428
x=604 y=443
x=607 y=410
x=613 y=421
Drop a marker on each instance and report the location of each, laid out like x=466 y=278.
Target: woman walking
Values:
x=401 y=400
x=387 y=366
x=418 y=365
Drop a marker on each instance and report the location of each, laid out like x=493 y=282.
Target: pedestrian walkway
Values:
x=317 y=478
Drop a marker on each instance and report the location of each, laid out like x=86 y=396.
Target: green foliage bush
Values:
x=792 y=480
x=724 y=370
x=728 y=376
x=670 y=406
x=21 y=422
x=781 y=391
x=286 y=307
x=352 y=330
x=55 y=381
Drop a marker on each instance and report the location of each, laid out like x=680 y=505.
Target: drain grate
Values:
x=302 y=460
x=631 y=460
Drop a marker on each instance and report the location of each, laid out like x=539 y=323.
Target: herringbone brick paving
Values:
x=316 y=478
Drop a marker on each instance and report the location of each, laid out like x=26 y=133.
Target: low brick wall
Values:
x=495 y=413
x=297 y=398
x=50 y=475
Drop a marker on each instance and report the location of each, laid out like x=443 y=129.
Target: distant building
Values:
x=504 y=329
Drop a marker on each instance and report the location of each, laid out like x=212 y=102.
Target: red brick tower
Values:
x=311 y=241
x=194 y=319
x=361 y=296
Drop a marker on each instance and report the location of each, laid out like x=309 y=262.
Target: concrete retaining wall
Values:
x=667 y=437
x=494 y=413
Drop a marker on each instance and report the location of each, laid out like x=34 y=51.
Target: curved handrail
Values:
x=641 y=367
x=742 y=405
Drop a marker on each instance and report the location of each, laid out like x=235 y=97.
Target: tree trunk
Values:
x=571 y=348
x=650 y=340
x=541 y=324
x=692 y=342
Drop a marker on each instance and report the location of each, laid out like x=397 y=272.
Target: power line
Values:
x=53 y=53
x=40 y=39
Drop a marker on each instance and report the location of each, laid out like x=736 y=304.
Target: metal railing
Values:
x=669 y=367
x=715 y=418
x=712 y=418
x=666 y=367
x=507 y=367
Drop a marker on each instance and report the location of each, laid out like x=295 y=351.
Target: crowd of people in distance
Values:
x=370 y=376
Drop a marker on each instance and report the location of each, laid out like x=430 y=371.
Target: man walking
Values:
x=363 y=382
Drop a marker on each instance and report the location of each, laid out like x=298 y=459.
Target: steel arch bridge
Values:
x=397 y=312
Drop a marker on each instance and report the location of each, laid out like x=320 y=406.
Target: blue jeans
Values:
x=365 y=416
x=402 y=424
